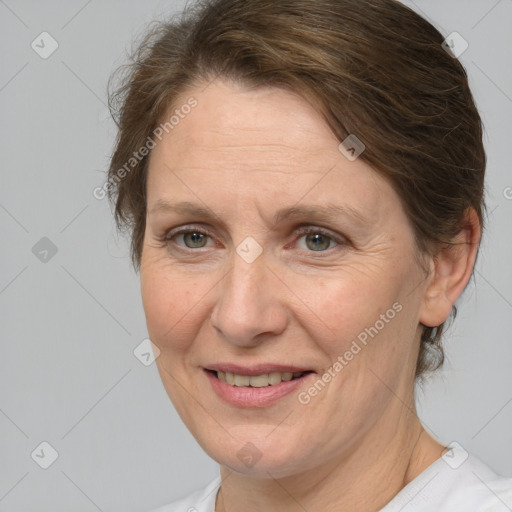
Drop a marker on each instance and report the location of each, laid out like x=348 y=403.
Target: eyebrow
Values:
x=327 y=212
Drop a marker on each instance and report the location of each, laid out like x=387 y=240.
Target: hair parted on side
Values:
x=373 y=68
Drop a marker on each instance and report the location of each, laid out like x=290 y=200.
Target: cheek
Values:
x=376 y=345
x=343 y=307
x=171 y=303
x=364 y=325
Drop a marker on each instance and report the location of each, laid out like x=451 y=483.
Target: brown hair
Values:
x=373 y=68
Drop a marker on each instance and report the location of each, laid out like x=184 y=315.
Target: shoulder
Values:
x=202 y=500
x=457 y=481
x=478 y=484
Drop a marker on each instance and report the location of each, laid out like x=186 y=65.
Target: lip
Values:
x=249 y=397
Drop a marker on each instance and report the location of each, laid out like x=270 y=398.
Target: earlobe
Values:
x=451 y=269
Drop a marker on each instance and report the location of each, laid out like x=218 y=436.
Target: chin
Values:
x=250 y=450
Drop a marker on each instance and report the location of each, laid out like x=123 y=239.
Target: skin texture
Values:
x=244 y=154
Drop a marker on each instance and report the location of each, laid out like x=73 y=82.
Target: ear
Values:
x=451 y=269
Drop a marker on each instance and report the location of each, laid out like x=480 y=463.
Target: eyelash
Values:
x=301 y=231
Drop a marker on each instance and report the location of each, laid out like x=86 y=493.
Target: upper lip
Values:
x=258 y=369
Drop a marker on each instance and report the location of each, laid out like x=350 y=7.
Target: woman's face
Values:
x=243 y=289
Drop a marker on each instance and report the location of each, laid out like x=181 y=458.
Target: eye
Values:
x=318 y=240
x=315 y=239
x=193 y=238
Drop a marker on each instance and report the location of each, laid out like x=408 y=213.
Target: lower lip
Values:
x=253 y=397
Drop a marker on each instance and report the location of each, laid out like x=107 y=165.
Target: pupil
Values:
x=196 y=239
x=318 y=238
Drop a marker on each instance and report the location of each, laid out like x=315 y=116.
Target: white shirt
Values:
x=456 y=482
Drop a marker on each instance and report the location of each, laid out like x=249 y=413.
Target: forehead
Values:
x=235 y=118
x=236 y=114
x=271 y=144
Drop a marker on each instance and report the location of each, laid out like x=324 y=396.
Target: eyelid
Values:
x=323 y=231
x=186 y=229
x=168 y=236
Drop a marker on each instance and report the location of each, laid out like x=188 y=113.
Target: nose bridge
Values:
x=247 y=306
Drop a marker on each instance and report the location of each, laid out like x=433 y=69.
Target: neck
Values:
x=365 y=479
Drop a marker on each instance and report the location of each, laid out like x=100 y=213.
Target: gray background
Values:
x=70 y=324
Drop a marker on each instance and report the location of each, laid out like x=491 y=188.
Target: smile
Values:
x=258 y=381
x=255 y=387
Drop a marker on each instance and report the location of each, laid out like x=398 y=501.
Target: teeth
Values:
x=242 y=380
x=274 y=378
x=257 y=381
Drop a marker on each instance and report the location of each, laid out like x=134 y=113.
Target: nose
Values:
x=250 y=307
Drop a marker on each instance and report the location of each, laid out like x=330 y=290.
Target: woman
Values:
x=303 y=182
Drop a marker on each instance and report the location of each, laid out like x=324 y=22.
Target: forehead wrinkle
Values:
x=191 y=145
x=325 y=212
